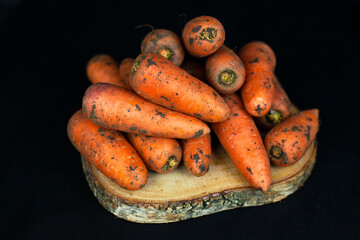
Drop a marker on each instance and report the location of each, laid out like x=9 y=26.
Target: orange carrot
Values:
x=109 y=151
x=160 y=81
x=225 y=71
x=288 y=141
x=242 y=141
x=194 y=67
x=113 y=107
x=125 y=71
x=161 y=155
x=196 y=154
x=203 y=36
x=166 y=43
x=103 y=68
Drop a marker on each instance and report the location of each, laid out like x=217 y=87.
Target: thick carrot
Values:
x=225 y=71
x=103 y=68
x=196 y=154
x=109 y=151
x=113 y=107
x=166 y=43
x=242 y=141
x=203 y=36
x=161 y=155
x=195 y=68
x=162 y=82
x=288 y=141
x=125 y=71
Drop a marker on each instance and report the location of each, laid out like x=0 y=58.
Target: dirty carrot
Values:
x=242 y=141
x=125 y=71
x=288 y=141
x=103 y=68
x=166 y=43
x=194 y=67
x=108 y=151
x=225 y=72
x=113 y=107
x=162 y=82
x=196 y=154
x=203 y=36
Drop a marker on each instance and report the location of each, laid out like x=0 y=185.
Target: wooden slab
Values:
x=178 y=195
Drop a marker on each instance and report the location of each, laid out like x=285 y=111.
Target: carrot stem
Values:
x=227 y=77
x=135 y=66
x=171 y=162
x=274 y=116
x=276 y=152
x=208 y=33
x=166 y=52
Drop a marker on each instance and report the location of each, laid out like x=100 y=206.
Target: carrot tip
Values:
x=276 y=152
x=166 y=52
x=227 y=77
x=274 y=116
x=208 y=33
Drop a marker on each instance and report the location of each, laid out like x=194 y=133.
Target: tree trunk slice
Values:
x=178 y=195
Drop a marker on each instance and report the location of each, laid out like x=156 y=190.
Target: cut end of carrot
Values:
x=166 y=52
x=208 y=34
x=276 y=152
x=274 y=116
x=227 y=77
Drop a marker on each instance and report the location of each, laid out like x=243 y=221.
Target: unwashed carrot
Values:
x=113 y=107
x=288 y=141
x=103 y=68
x=203 y=36
x=109 y=151
x=161 y=155
x=166 y=43
x=162 y=82
x=125 y=71
x=225 y=71
x=242 y=141
x=195 y=68
x=197 y=154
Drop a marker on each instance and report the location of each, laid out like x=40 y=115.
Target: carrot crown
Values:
x=208 y=33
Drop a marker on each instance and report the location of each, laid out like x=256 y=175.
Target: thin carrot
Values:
x=161 y=155
x=242 y=141
x=288 y=141
x=125 y=71
x=225 y=71
x=113 y=107
x=166 y=43
x=197 y=154
x=194 y=67
x=109 y=151
x=160 y=81
x=203 y=36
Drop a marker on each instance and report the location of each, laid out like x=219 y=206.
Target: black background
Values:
x=44 y=48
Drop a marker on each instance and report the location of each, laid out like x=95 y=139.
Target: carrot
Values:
x=109 y=151
x=196 y=154
x=125 y=71
x=242 y=141
x=225 y=71
x=161 y=155
x=194 y=67
x=103 y=68
x=288 y=141
x=280 y=108
x=203 y=36
x=166 y=43
x=258 y=91
x=160 y=81
x=113 y=107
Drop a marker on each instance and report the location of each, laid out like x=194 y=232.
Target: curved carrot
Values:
x=242 y=141
x=113 y=107
x=196 y=154
x=109 y=151
x=288 y=141
x=195 y=68
x=225 y=71
x=166 y=43
x=203 y=36
x=103 y=68
x=125 y=71
x=160 y=81
x=161 y=155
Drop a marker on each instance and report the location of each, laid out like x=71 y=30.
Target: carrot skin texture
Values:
x=103 y=68
x=292 y=137
x=125 y=68
x=195 y=68
x=203 y=36
x=109 y=151
x=161 y=155
x=165 y=43
x=242 y=141
x=225 y=61
x=197 y=154
x=160 y=81
x=113 y=107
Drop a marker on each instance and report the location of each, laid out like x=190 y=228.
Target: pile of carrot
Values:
x=156 y=111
